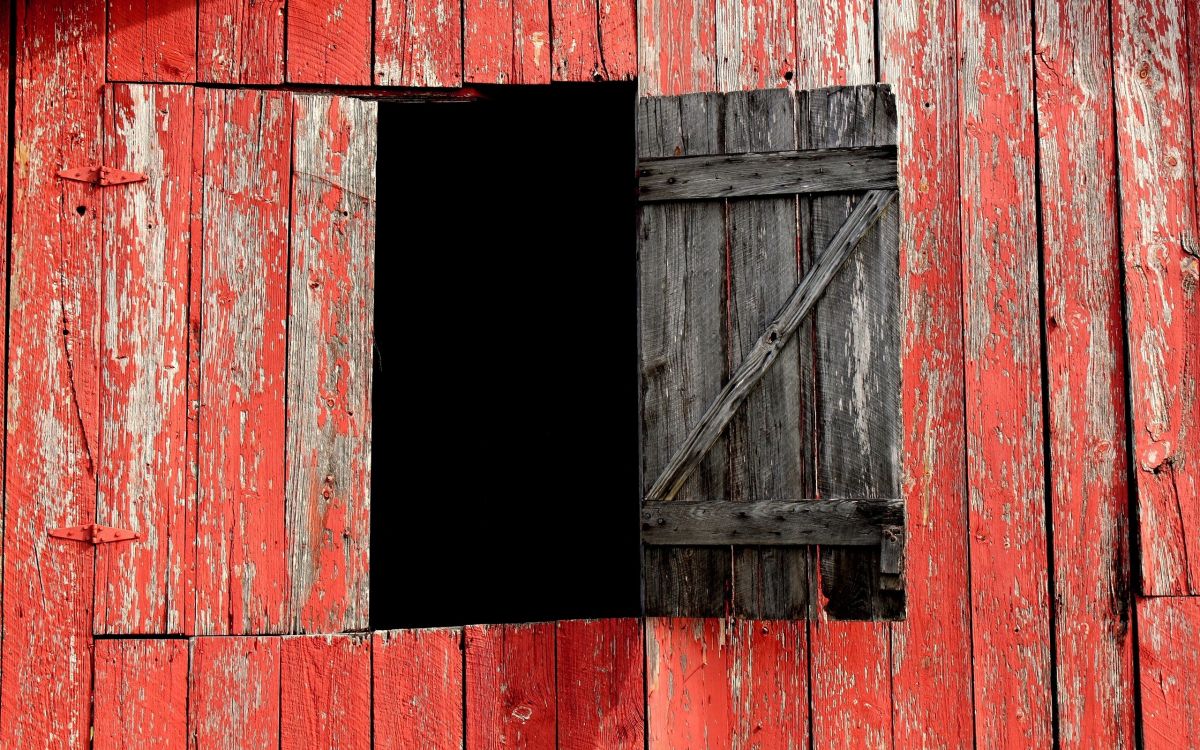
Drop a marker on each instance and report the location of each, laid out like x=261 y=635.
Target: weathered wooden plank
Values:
x=506 y=41
x=234 y=693
x=931 y=648
x=143 y=467
x=325 y=693
x=1006 y=480
x=329 y=363
x=771 y=522
x=1168 y=629
x=681 y=273
x=153 y=42
x=1085 y=361
x=575 y=46
x=828 y=170
x=510 y=699
x=618 y=39
x=329 y=42
x=418 y=43
x=677 y=47
x=755 y=43
x=599 y=684
x=53 y=375
x=1158 y=238
x=765 y=351
x=835 y=43
x=240 y=41
x=242 y=581
x=417 y=683
x=141 y=694
x=851 y=689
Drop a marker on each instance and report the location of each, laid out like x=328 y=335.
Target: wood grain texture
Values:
x=240 y=41
x=1086 y=364
x=677 y=47
x=141 y=689
x=151 y=41
x=599 y=684
x=771 y=522
x=681 y=272
x=1158 y=238
x=506 y=41
x=851 y=688
x=418 y=43
x=417 y=683
x=593 y=40
x=329 y=363
x=510 y=694
x=835 y=43
x=329 y=42
x=755 y=43
x=234 y=693
x=715 y=685
x=53 y=375
x=325 y=694
x=1006 y=481
x=618 y=39
x=242 y=581
x=1170 y=665
x=931 y=648
x=142 y=587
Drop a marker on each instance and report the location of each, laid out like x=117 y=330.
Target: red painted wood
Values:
x=1158 y=229
x=931 y=648
x=618 y=38
x=152 y=41
x=418 y=43
x=851 y=688
x=325 y=698
x=1085 y=359
x=677 y=46
x=1169 y=629
x=712 y=685
x=576 y=42
x=835 y=43
x=329 y=42
x=234 y=693
x=53 y=376
x=756 y=43
x=141 y=689
x=140 y=587
x=1010 y=602
x=600 y=685
x=506 y=41
x=240 y=41
x=242 y=583
x=417 y=679
x=510 y=687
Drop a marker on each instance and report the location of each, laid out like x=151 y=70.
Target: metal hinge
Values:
x=93 y=533
x=101 y=175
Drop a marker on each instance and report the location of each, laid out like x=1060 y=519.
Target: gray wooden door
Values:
x=770 y=354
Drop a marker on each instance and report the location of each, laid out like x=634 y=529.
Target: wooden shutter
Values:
x=770 y=354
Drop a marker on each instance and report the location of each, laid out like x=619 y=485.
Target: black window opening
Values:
x=505 y=430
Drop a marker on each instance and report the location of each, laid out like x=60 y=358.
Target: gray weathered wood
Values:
x=828 y=170
x=851 y=522
x=766 y=350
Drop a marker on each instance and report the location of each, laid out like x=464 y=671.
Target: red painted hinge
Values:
x=101 y=175
x=94 y=533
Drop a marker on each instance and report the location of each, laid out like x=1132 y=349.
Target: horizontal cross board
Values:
x=828 y=170
x=843 y=522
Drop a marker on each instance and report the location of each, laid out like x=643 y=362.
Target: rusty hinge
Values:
x=101 y=175
x=93 y=533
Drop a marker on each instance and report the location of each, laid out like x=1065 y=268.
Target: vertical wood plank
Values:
x=931 y=648
x=506 y=41
x=53 y=375
x=835 y=43
x=1085 y=360
x=1168 y=629
x=417 y=683
x=329 y=363
x=677 y=46
x=599 y=684
x=141 y=689
x=618 y=39
x=1158 y=237
x=325 y=693
x=234 y=693
x=756 y=43
x=1010 y=607
x=576 y=42
x=152 y=42
x=142 y=476
x=851 y=688
x=329 y=42
x=418 y=43
x=242 y=581
x=681 y=256
x=510 y=687
x=240 y=41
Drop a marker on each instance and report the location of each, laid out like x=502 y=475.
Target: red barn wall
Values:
x=1044 y=148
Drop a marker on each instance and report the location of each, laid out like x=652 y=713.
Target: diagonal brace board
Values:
x=766 y=349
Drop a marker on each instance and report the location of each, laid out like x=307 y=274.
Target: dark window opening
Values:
x=506 y=359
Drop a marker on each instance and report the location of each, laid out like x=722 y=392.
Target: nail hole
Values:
x=787 y=76
x=81 y=210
